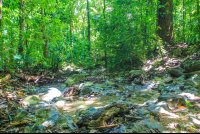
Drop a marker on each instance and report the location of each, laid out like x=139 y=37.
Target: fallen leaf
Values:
x=181 y=107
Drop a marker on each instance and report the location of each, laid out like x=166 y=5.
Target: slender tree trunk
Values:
x=44 y=36
x=1 y=5
x=165 y=21
x=105 y=49
x=21 y=30
x=1 y=34
x=27 y=48
x=183 y=20
x=71 y=28
x=88 y=11
x=145 y=27
x=198 y=17
x=11 y=51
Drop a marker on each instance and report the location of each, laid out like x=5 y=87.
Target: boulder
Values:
x=144 y=126
x=172 y=99
x=191 y=65
x=86 y=90
x=75 y=78
x=174 y=72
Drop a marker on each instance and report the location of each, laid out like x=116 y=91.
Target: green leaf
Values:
x=188 y=103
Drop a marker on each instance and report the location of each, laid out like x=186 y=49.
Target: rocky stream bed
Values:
x=92 y=102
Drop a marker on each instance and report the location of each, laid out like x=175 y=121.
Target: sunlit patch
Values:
x=68 y=105
x=99 y=103
x=47 y=123
x=52 y=93
x=98 y=107
x=89 y=102
x=82 y=106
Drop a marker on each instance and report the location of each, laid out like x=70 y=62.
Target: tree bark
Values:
x=21 y=30
x=105 y=49
x=198 y=17
x=165 y=21
x=44 y=36
x=183 y=20
x=88 y=11
x=1 y=3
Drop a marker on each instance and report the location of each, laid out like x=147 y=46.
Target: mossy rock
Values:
x=31 y=100
x=191 y=65
x=75 y=78
x=174 y=72
x=177 y=52
x=88 y=84
x=115 y=109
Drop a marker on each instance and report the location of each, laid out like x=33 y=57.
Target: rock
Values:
x=75 y=78
x=163 y=104
x=60 y=104
x=145 y=95
x=172 y=99
x=195 y=122
x=134 y=74
x=143 y=112
x=172 y=89
x=144 y=126
x=86 y=90
x=110 y=83
x=137 y=81
x=88 y=84
x=167 y=80
x=191 y=65
x=190 y=97
x=21 y=114
x=32 y=100
x=52 y=93
x=164 y=113
x=174 y=72
x=177 y=52
x=41 y=113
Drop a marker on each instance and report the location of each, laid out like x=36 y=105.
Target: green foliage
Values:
x=126 y=33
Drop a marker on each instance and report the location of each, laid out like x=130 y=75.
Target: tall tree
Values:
x=88 y=13
x=165 y=20
x=0 y=14
x=198 y=17
x=1 y=33
x=105 y=49
x=183 y=21
x=44 y=36
x=21 y=29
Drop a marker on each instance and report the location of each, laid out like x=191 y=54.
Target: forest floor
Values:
x=160 y=97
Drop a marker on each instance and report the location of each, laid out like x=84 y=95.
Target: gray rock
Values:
x=32 y=100
x=172 y=99
x=86 y=90
x=144 y=126
x=174 y=72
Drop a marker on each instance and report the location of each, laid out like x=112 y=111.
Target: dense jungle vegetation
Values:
x=120 y=34
x=93 y=66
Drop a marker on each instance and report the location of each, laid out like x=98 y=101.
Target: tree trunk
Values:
x=27 y=49
x=1 y=3
x=183 y=20
x=11 y=51
x=105 y=49
x=21 y=30
x=198 y=17
x=88 y=11
x=44 y=36
x=165 y=21
x=1 y=35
